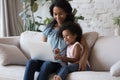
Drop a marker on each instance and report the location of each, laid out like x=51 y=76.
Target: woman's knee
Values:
x=30 y=62
x=47 y=64
x=33 y=63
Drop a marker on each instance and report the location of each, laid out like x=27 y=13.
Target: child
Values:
x=71 y=33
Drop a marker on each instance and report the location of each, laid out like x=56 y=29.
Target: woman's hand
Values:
x=82 y=63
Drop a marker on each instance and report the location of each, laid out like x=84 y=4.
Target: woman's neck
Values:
x=57 y=26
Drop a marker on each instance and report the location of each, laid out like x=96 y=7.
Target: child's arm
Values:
x=76 y=55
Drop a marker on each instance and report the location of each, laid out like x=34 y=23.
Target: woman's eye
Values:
x=55 y=14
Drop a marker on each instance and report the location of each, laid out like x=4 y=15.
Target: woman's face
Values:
x=59 y=14
x=68 y=37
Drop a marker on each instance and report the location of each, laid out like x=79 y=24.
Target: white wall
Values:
x=98 y=14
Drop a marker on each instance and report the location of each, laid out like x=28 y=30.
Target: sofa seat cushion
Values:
x=12 y=72
x=87 y=75
x=17 y=73
x=91 y=75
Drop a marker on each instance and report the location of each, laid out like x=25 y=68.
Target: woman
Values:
x=61 y=11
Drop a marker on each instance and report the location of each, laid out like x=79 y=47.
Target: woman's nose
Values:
x=58 y=17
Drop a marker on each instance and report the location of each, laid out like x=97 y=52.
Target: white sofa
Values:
x=104 y=55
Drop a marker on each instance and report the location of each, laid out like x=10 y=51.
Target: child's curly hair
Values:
x=73 y=27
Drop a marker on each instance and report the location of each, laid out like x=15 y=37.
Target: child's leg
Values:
x=68 y=69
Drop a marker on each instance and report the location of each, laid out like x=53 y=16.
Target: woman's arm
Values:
x=84 y=58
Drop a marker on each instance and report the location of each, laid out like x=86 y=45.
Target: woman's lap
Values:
x=45 y=68
x=48 y=68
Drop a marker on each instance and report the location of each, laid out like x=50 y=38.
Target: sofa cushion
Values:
x=12 y=72
x=90 y=38
x=12 y=40
x=105 y=53
x=10 y=54
x=115 y=69
x=91 y=75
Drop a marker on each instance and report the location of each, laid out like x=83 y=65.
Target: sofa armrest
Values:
x=12 y=40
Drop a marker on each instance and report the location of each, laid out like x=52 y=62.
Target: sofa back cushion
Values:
x=105 y=53
x=12 y=40
x=90 y=38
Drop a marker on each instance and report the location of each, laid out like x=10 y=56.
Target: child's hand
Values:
x=57 y=51
x=62 y=58
x=58 y=56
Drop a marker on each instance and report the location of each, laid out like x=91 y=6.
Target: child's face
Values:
x=68 y=37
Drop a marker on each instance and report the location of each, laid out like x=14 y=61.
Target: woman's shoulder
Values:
x=47 y=28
